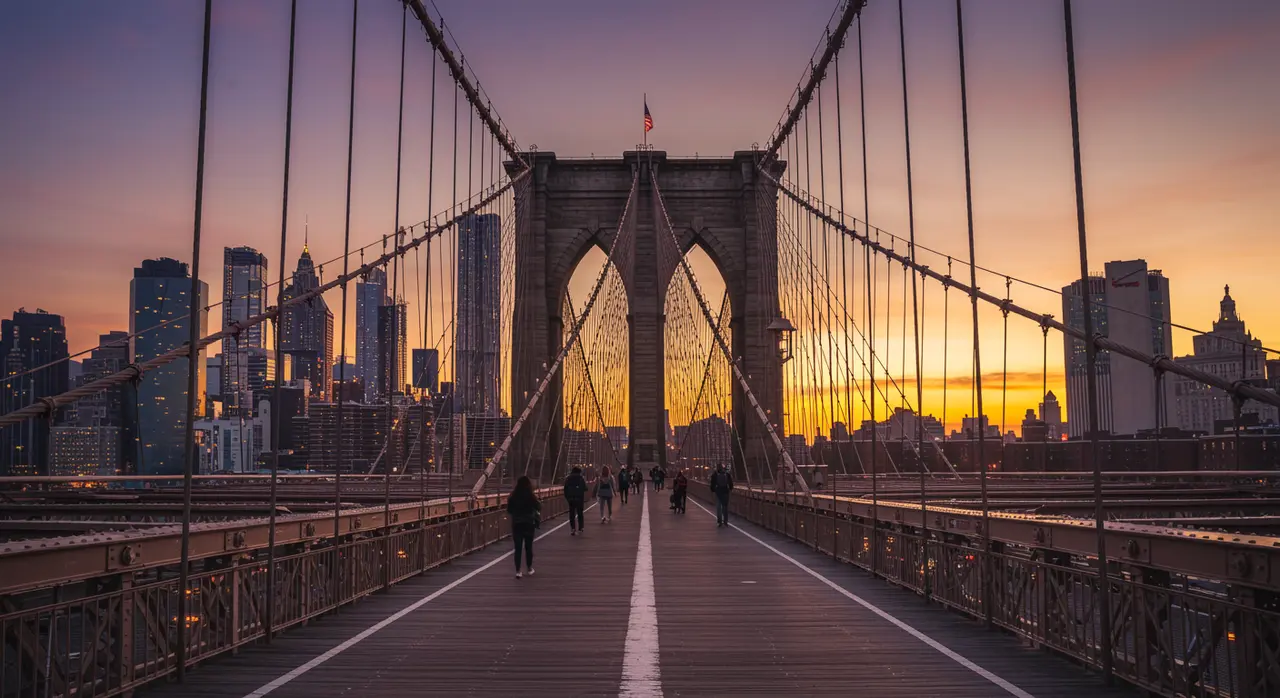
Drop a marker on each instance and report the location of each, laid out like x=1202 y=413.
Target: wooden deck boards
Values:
x=734 y=619
x=733 y=613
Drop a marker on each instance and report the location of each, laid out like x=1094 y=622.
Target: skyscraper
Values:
x=391 y=349
x=308 y=331
x=1130 y=305
x=161 y=292
x=371 y=295
x=1230 y=352
x=244 y=295
x=28 y=341
x=96 y=432
x=105 y=409
x=426 y=370
x=1051 y=415
x=479 y=297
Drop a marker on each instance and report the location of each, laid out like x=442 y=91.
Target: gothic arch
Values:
x=571 y=205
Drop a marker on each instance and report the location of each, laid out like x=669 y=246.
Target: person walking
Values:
x=575 y=493
x=637 y=479
x=624 y=485
x=679 y=492
x=526 y=513
x=721 y=486
x=604 y=494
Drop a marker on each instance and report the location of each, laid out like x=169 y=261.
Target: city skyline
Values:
x=1156 y=177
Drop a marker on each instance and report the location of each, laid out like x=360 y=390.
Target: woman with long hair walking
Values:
x=526 y=512
x=604 y=494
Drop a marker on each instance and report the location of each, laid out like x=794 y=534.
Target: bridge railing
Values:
x=1178 y=628
x=104 y=634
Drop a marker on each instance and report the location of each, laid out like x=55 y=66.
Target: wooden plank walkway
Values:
x=733 y=618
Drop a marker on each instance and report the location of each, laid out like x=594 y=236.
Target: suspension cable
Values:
x=626 y=224
x=787 y=462
x=1102 y=343
x=268 y=622
x=193 y=355
x=817 y=71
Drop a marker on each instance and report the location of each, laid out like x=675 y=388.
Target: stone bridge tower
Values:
x=721 y=204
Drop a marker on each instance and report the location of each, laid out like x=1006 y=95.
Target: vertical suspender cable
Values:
x=946 y=341
x=887 y=364
x=915 y=303
x=276 y=417
x=426 y=319
x=453 y=301
x=973 y=297
x=1091 y=351
x=844 y=276
x=193 y=368
x=871 y=345
x=342 y=362
x=812 y=409
x=1044 y=372
x=399 y=329
x=826 y=270
x=1004 y=369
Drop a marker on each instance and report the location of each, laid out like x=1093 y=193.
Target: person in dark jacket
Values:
x=679 y=492
x=721 y=486
x=624 y=485
x=575 y=493
x=637 y=480
x=526 y=513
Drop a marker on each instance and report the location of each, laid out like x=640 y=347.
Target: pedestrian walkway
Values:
x=700 y=610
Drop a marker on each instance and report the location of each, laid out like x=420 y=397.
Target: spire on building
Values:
x=306 y=266
x=1227 y=308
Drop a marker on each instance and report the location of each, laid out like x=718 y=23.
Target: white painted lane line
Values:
x=641 y=671
x=903 y=625
x=364 y=634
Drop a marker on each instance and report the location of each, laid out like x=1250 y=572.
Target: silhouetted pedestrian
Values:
x=624 y=485
x=679 y=492
x=721 y=486
x=575 y=493
x=604 y=494
x=526 y=513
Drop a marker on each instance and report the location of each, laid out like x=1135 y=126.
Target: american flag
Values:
x=648 y=120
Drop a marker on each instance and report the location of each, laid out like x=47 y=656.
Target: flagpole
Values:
x=644 y=126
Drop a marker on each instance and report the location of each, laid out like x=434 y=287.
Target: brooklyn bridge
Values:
x=340 y=529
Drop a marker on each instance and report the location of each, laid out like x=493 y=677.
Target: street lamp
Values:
x=783 y=328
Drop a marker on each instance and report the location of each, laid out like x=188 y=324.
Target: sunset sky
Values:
x=1179 y=99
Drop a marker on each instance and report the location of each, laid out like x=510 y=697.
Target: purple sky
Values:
x=1180 y=109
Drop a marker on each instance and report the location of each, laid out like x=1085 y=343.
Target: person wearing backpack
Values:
x=604 y=494
x=575 y=493
x=624 y=485
x=526 y=512
x=721 y=486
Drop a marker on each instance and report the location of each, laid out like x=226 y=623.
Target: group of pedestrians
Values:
x=526 y=511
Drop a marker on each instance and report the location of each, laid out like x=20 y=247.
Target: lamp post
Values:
x=783 y=329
